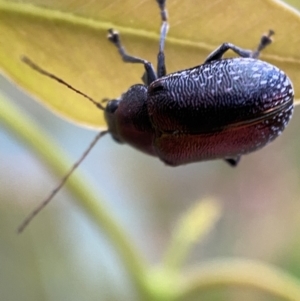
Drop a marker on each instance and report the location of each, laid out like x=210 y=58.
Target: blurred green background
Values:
x=62 y=256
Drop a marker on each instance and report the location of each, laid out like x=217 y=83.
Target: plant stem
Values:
x=237 y=273
x=191 y=229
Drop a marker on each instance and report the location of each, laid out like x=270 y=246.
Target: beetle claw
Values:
x=233 y=161
x=113 y=36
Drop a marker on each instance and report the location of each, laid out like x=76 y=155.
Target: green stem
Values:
x=237 y=273
x=192 y=227
x=50 y=154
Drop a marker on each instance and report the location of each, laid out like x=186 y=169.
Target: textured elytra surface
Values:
x=222 y=109
x=218 y=94
x=178 y=148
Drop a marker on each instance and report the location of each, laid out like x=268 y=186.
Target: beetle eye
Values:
x=112 y=106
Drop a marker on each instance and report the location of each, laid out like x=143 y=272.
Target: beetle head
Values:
x=128 y=120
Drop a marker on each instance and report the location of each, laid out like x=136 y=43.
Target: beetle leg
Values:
x=161 y=66
x=114 y=37
x=219 y=52
x=233 y=161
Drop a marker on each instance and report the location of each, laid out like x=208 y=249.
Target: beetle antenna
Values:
x=37 y=68
x=44 y=203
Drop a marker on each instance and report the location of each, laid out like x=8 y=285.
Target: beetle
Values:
x=222 y=109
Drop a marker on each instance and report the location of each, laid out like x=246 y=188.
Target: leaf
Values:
x=68 y=38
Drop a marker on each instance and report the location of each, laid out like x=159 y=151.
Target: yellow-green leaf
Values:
x=68 y=38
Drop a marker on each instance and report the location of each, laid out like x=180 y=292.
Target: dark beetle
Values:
x=222 y=109
x=219 y=110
